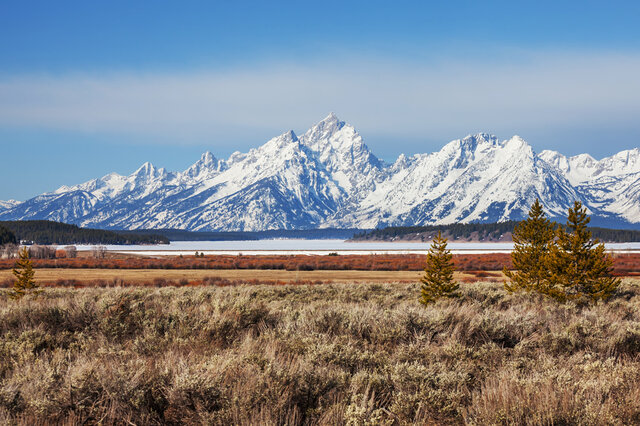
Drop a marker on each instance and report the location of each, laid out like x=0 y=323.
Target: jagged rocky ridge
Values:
x=328 y=177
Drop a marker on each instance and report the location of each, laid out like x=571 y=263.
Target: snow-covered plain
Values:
x=319 y=247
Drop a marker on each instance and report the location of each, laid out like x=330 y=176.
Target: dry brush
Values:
x=323 y=354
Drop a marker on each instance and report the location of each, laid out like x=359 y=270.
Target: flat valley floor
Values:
x=140 y=276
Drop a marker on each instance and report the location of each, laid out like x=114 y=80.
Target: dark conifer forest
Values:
x=480 y=232
x=6 y=236
x=48 y=232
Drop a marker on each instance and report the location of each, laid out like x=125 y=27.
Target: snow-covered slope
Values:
x=9 y=204
x=584 y=168
x=611 y=184
x=328 y=177
x=477 y=178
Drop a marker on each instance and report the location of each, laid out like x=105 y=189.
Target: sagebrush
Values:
x=317 y=354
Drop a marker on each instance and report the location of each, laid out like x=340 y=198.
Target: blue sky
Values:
x=87 y=88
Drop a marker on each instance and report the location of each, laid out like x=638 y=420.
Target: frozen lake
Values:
x=321 y=247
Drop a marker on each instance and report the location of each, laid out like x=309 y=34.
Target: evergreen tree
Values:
x=532 y=239
x=580 y=268
x=437 y=280
x=6 y=236
x=24 y=273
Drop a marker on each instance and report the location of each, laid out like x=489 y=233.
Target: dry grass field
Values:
x=317 y=354
x=625 y=264
x=107 y=277
x=300 y=262
x=120 y=270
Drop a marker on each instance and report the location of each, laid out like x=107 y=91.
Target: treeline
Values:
x=482 y=232
x=453 y=231
x=615 y=235
x=6 y=236
x=48 y=232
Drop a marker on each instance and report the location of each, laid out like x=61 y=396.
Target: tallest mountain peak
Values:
x=325 y=128
x=331 y=117
x=341 y=149
x=331 y=121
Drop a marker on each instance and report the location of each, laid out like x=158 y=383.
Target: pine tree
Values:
x=580 y=268
x=6 y=236
x=24 y=273
x=532 y=240
x=437 y=280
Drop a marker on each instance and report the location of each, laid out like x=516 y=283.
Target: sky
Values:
x=87 y=88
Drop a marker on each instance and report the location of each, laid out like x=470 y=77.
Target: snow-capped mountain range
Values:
x=328 y=177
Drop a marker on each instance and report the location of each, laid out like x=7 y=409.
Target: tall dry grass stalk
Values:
x=324 y=354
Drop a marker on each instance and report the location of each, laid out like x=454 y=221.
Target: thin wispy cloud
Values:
x=401 y=100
